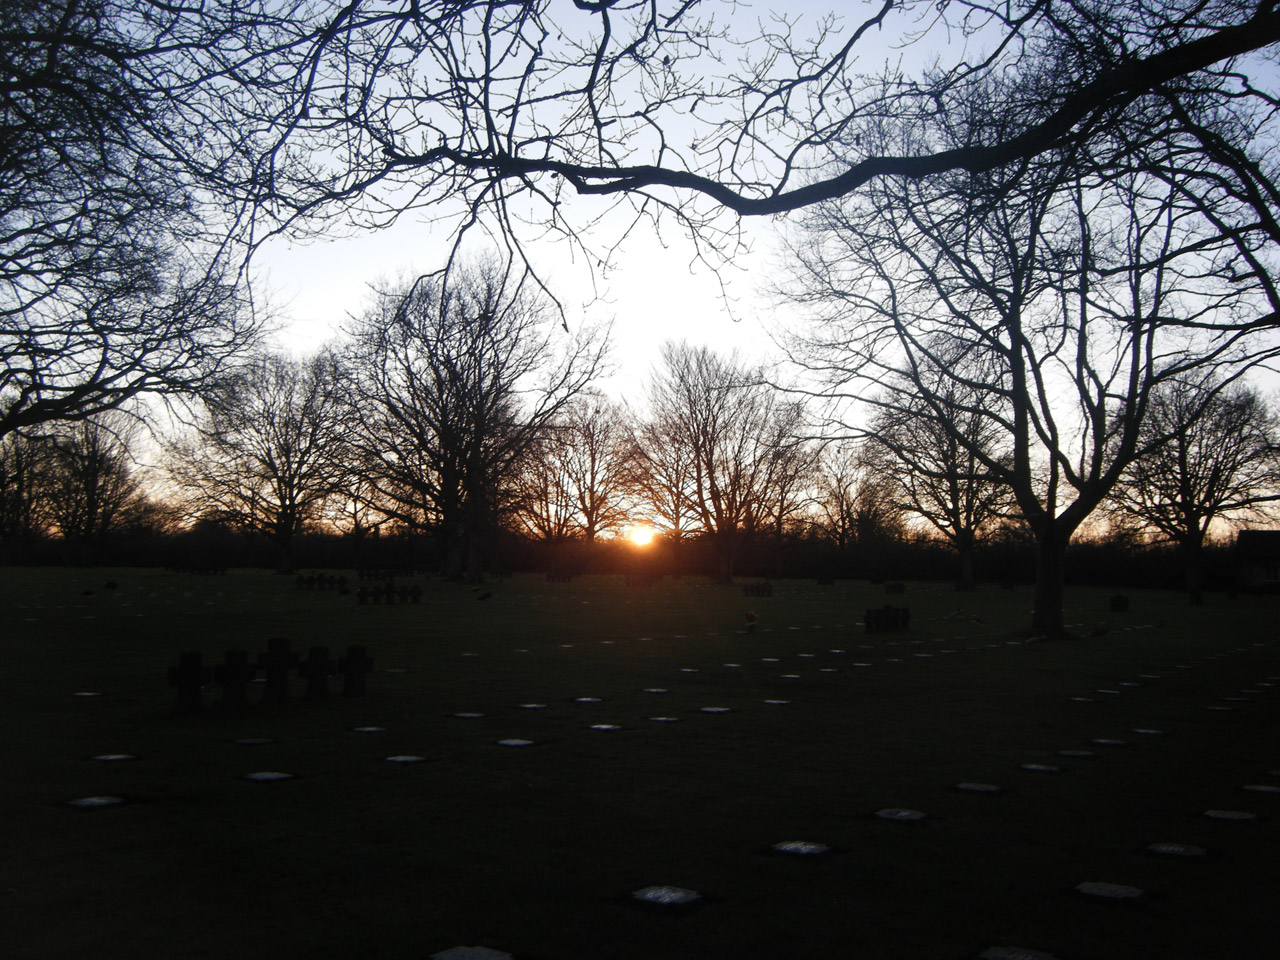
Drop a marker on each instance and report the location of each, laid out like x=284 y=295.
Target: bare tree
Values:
x=854 y=502
x=720 y=429
x=500 y=111
x=934 y=452
x=90 y=482
x=108 y=288
x=1215 y=457
x=1056 y=297
x=576 y=480
x=24 y=463
x=262 y=458
x=448 y=391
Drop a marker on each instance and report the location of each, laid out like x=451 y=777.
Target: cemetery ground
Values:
x=536 y=850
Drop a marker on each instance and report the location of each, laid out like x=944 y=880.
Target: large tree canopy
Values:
x=112 y=284
x=499 y=110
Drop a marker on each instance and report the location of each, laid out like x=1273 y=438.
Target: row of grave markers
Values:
x=674 y=896
x=277 y=663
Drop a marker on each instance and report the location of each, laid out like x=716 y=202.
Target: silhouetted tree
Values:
x=448 y=390
x=90 y=484
x=500 y=111
x=108 y=287
x=262 y=458
x=1214 y=456
x=1061 y=294
x=932 y=447
x=722 y=432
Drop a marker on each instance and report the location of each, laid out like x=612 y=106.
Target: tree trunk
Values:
x=1192 y=572
x=1051 y=553
x=965 y=555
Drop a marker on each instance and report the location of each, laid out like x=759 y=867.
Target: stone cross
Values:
x=354 y=667
x=234 y=675
x=189 y=676
x=277 y=662
x=315 y=670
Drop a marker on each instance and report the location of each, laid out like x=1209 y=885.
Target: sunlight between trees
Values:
x=1019 y=242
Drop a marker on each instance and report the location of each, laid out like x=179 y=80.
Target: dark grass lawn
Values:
x=536 y=850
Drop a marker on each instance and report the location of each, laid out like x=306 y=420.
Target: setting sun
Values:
x=641 y=536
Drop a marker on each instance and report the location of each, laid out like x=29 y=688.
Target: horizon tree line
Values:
x=1049 y=231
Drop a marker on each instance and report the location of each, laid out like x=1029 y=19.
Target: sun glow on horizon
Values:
x=641 y=535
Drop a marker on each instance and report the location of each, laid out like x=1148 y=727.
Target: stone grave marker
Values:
x=803 y=848
x=661 y=895
x=471 y=953
x=95 y=803
x=1014 y=953
x=979 y=787
x=1234 y=816
x=1109 y=891
x=316 y=670
x=277 y=663
x=188 y=677
x=1167 y=848
x=900 y=815
x=355 y=667
x=234 y=675
x=268 y=776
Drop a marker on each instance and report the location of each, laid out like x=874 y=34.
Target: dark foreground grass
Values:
x=536 y=850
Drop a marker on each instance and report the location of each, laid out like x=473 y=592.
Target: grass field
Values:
x=536 y=850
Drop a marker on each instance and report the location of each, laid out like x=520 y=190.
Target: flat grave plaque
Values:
x=1109 y=891
x=114 y=757
x=471 y=953
x=405 y=758
x=900 y=815
x=515 y=742
x=268 y=776
x=978 y=787
x=1041 y=767
x=1169 y=849
x=94 y=803
x=801 y=847
x=1014 y=953
x=666 y=896
x=1238 y=816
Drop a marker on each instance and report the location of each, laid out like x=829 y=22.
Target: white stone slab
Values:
x=666 y=896
x=900 y=814
x=405 y=758
x=92 y=803
x=1109 y=891
x=1236 y=815
x=1169 y=849
x=801 y=847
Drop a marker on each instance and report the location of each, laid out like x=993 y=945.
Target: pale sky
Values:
x=656 y=293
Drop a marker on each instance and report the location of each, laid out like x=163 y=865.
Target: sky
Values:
x=656 y=293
